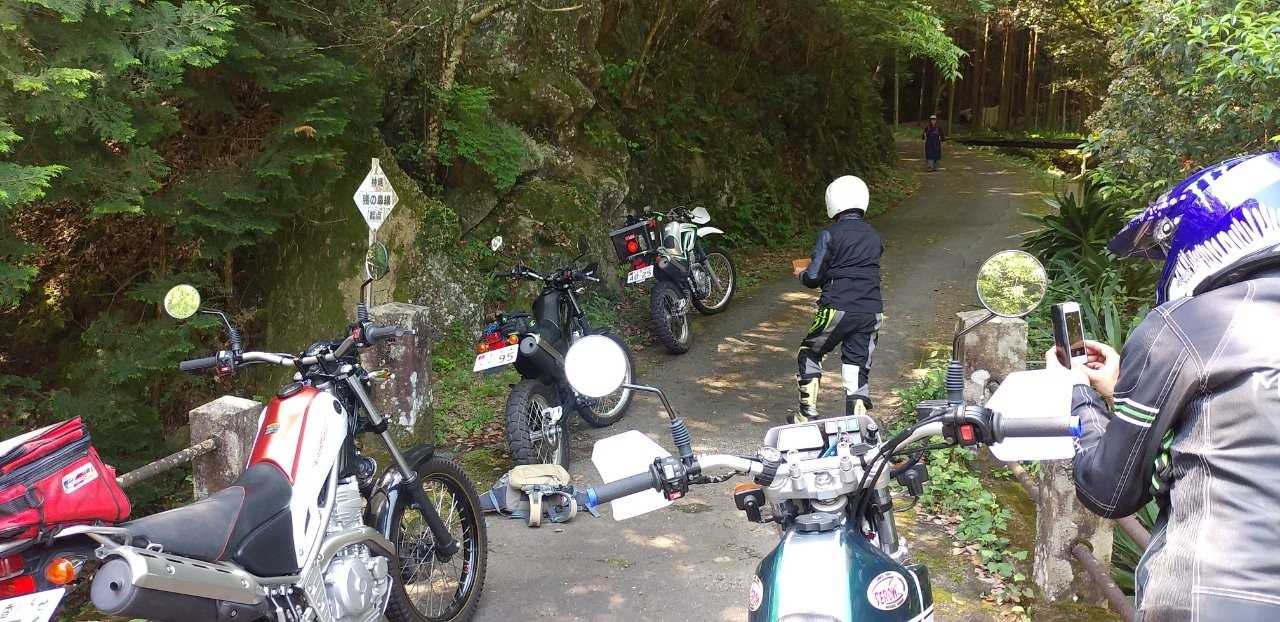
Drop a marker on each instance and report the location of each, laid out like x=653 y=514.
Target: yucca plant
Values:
x=1077 y=229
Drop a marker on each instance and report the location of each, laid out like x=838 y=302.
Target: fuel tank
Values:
x=836 y=575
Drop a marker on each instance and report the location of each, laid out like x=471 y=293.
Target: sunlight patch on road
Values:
x=668 y=542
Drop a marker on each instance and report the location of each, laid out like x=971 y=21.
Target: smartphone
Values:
x=1068 y=334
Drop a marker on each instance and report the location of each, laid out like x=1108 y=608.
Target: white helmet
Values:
x=846 y=193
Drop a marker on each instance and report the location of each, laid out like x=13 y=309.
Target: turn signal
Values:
x=633 y=246
x=60 y=571
x=482 y=347
x=513 y=339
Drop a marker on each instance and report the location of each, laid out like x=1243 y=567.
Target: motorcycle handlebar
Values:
x=626 y=486
x=207 y=362
x=1037 y=426
x=373 y=334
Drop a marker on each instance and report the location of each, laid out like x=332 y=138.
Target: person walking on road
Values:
x=846 y=264
x=933 y=138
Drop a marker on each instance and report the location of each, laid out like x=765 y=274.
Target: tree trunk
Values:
x=923 y=79
x=951 y=107
x=897 y=103
x=1005 y=89
x=1029 y=111
x=980 y=74
x=457 y=44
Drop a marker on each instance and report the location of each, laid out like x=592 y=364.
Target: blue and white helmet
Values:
x=1219 y=219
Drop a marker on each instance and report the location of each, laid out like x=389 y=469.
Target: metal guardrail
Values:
x=167 y=463
x=1120 y=603
x=1102 y=577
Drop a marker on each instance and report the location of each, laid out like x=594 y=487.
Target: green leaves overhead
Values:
x=905 y=25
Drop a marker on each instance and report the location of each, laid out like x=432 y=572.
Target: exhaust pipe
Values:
x=542 y=357
x=149 y=584
x=114 y=593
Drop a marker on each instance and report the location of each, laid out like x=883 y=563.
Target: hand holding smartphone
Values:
x=1068 y=334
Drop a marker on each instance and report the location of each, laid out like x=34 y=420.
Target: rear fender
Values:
x=386 y=494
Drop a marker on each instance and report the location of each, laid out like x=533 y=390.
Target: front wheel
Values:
x=669 y=316
x=427 y=587
x=720 y=281
x=608 y=410
x=537 y=431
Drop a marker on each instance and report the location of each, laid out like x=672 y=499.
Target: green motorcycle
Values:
x=825 y=483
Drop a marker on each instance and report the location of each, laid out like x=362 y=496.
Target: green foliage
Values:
x=1195 y=83
x=1077 y=228
x=472 y=132
x=954 y=488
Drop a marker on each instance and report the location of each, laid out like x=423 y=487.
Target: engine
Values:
x=356 y=582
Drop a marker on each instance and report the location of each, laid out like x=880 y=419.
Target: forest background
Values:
x=146 y=143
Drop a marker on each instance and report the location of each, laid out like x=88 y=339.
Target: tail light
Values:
x=17 y=586
x=490 y=341
x=10 y=566
x=12 y=581
x=638 y=263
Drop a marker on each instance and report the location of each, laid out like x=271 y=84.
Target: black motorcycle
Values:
x=687 y=270
x=535 y=343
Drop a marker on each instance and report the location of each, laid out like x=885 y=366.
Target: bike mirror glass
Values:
x=377 y=261
x=595 y=366
x=700 y=216
x=495 y=243
x=1011 y=283
x=182 y=301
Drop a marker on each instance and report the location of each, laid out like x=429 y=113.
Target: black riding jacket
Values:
x=846 y=265
x=1196 y=425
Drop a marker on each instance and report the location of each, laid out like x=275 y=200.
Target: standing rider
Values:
x=1196 y=424
x=846 y=265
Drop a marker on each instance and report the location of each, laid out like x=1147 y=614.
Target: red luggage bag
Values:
x=52 y=478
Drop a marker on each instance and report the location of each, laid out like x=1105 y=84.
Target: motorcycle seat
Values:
x=214 y=528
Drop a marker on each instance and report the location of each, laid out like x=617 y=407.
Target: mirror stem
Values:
x=955 y=372
x=679 y=433
x=233 y=335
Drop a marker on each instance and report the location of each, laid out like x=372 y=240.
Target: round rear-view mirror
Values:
x=1012 y=283
x=595 y=366
x=182 y=301
x=377 y=261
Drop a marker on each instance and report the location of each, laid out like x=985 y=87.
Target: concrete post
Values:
x=999 y=347
x=1062 y=522
x=404 y=398
x=234 y=422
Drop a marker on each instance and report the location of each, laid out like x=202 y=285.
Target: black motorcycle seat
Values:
x=212 y=529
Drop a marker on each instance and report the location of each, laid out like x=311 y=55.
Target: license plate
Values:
x=38 y=607
x=497 y=358
x=640 y=276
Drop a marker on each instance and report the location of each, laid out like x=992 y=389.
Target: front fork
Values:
x=446 y=545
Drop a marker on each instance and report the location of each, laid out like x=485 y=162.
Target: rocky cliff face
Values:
x=746 y=108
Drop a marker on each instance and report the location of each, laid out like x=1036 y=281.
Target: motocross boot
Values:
x=808 y=409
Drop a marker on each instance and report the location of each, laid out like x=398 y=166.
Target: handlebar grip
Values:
x=605 y=493
x=1039 y=426
x=207 y=362
x=377 y=333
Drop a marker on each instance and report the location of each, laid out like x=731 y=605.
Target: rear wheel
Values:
x=722 y=282
x=669 y=316
x=608 y=410
x=428 y=588
x=535 y=433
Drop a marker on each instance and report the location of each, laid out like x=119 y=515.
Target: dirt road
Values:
x=693 y=561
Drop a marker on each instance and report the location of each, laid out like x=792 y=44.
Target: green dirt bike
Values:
x=825 y=483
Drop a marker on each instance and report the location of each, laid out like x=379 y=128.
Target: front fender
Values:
x=706 y=231
x=386 y=494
